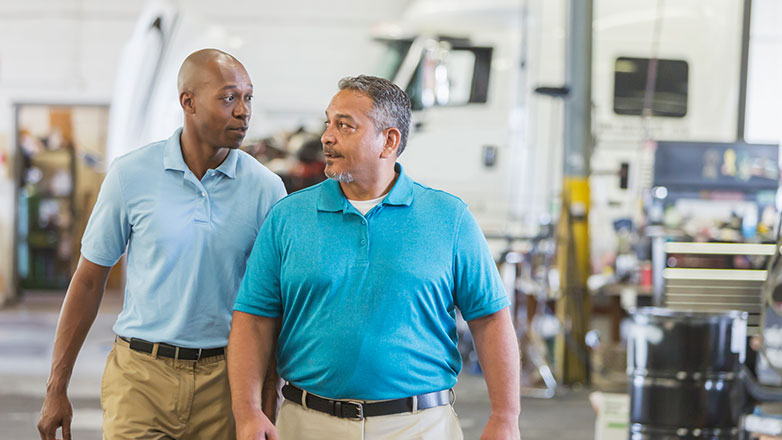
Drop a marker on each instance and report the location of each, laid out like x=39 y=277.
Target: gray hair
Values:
x=390 y=104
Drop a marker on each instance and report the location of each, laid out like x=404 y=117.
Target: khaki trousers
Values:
x=148 y=398
x=294 y=422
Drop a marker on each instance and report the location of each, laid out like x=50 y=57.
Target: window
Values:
x=670 y=90
x=450 y=75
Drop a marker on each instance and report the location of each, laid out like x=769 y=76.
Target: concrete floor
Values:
x=26 y=337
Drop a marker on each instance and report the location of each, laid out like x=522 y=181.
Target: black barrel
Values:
x=683 y=369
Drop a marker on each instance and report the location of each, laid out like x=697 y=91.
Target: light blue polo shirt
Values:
x=368 y=303
x=187 y=240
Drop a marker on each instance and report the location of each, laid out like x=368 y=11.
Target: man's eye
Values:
x=344 y=125
x=228 y=98
x=249 y=97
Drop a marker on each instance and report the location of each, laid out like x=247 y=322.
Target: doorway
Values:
x=60 y=151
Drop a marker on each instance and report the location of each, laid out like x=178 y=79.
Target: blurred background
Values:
x=599 y=143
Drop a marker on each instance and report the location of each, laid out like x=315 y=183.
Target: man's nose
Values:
x=327 y=138
x=242 y=110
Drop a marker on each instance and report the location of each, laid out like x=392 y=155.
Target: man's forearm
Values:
x=498 y=353
x=271 y=394
x=249 y=352
x=79 y=310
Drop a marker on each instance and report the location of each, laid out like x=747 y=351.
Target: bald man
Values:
x=187 y=210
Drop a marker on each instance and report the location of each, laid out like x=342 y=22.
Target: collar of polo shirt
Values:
x=333 y=200
x=173 y=160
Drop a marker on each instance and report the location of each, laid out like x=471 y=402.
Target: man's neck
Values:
x=371 y=188
x=198 y=156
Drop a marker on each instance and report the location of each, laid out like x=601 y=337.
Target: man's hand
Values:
x=56 y=412
x=255 y=426
x=500 y=428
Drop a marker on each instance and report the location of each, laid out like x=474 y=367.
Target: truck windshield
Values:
x=396 y=50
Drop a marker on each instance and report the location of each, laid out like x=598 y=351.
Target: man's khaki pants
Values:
x=297 y=423
x=148 y=398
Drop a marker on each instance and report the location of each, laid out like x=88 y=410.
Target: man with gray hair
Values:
x=365 y=272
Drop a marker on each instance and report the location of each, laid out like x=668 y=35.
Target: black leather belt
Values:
x=172 y=351
x=357 y=410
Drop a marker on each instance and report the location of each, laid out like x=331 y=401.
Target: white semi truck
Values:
x=483 y=133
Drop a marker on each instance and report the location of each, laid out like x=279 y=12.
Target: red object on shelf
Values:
x=646 y=274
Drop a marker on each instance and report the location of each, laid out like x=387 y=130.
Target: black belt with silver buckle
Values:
x=357 y=410
x=172 y=351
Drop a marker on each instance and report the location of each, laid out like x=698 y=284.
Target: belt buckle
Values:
x=359 y=410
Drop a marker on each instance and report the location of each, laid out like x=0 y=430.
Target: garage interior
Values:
x=622 y=159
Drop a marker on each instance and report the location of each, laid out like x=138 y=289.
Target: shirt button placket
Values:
x=205 y=208
x=365 y=238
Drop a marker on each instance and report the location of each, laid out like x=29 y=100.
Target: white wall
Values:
x=66 y=51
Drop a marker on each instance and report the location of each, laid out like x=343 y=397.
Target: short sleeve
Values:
x=259 y=292
x=108 y=229
x=478 y=288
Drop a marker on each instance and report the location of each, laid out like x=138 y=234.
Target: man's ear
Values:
x=187 y=101
x=392 y=137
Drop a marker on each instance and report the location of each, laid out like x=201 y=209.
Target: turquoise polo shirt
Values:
x=187 y=239
x=368 y=303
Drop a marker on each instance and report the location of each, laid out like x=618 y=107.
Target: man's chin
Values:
x=344 y=176
x=233 y=142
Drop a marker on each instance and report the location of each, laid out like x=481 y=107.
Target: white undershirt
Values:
x=364 y=206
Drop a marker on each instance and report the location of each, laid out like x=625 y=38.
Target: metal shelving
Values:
x=715 y=289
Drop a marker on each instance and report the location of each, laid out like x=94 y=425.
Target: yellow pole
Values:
x=574 y=305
